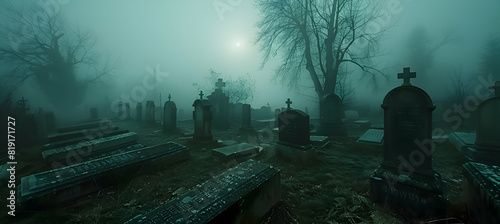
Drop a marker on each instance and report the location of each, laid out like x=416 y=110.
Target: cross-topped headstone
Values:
x=22 y=104
x=201 y=94
x=288 y=102
x=219 y=84
x=169 y=97
x=406 y=76
x=496 y=88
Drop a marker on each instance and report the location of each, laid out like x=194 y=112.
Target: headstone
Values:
x=138 y=111
x=54 y=187
x=220 y=106
x=236 y=152
x=246 y=125
x=487 y=146
x=243 y=194
x=150 y=112
x=481 y=191
x=331 y=116
x=127 y=110
x=169 y=116
x=294 y=137
x=120 y=109
x=276 y=119
x=93 y=113
x=406 y=180
x=202 y=116
x=351 y=115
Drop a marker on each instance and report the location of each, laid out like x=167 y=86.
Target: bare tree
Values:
x=318 y=36
x=460 y=86
x=38 y=45
x=238 y=90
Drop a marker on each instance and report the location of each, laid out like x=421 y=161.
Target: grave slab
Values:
x=243 y=194
x=462 y=140
x=91 y=136
x=372 y=137
x=238 y=151
x=482 y=191
x=104 y=123
x=54 y=187
x=80 y=152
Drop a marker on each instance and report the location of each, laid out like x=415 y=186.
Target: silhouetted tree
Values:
x=37 y=44
x=490 y=59
x=238 y=90
x=318 y=36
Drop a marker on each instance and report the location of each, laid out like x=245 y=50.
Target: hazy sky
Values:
x=187 y=38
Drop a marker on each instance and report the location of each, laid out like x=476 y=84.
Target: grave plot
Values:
x=79 y=133
x=243 y=193
x=462 y=140
x=482 y=187
x=82 y=151
x=372 y=137
x=84 y=137
x=239 y=151
x=58 y=186
x=103 y=123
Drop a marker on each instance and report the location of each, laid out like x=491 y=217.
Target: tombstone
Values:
x=487 y=146
x=331 y=116
x=138 y=111
x=127 y=110
x=202 y=116
x=220 y=106
x=93 y=113
x=150 y=112
x=294 y=136
x=27 y=125
x=169 y=116
x=276 y=118
x=372 y=137
x=351 y=115
x=406 y=181
x=246 y=119
x=243 y=194
x=120 y=109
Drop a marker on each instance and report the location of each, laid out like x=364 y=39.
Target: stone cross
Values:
x=288 y=102
x=219 y=84
x=201 y=94
x=496 y=88
x=406 y=76
x=169 y=97
x=22 y=104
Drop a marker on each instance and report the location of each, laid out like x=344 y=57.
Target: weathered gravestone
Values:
x=54 y=187
x=294 y=138
x=220 y=106
x=138 y=112
x=120 y=109
x=487 y=146
x=246 y=119
x=243 y=194
x=331 y=114
x=127 y=111
x=150 y=112
x=93 y=113
x=169 y=116
x=372 y=137
x=482 y=192
x=406 y=180
x=202 y=116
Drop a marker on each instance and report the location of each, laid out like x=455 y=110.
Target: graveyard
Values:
x=265 y=112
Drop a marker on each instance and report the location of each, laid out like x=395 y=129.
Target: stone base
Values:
x=417 y=196
x=296 y=153
x=481 y=191
x=331 y=130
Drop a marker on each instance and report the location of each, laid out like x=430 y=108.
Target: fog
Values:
x=183 y=40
